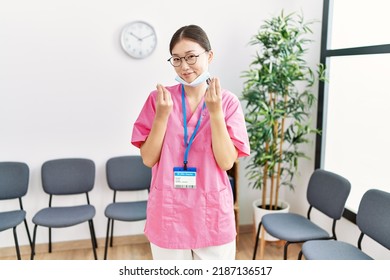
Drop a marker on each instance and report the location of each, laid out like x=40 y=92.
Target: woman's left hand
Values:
x=213 y=97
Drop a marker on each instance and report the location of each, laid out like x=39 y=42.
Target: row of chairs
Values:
x=328 y=192
x=73 y=176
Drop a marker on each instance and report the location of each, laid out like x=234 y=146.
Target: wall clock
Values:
x=139 y=39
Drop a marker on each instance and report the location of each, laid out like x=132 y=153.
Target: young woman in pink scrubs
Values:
x=190 y=134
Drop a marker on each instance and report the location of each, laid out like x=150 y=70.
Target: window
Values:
x=354 y=104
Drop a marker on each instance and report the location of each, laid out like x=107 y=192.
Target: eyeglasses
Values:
x=189 y=58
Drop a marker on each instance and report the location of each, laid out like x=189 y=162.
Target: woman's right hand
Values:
x=164 y=102
x=151 y=148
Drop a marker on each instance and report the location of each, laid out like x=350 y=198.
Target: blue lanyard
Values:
x=187 y=143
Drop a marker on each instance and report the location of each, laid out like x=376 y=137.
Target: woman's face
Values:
x=188 y=48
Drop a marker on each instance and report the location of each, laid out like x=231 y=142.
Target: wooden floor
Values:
x=140 y=250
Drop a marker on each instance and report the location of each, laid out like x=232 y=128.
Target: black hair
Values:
x=193 y=33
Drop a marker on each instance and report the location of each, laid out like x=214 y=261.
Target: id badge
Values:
x=184 y=179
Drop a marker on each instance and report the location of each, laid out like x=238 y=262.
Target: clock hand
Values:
x=151 y=34
x=138 y=38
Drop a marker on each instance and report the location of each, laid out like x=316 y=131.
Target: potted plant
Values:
x=278 y=95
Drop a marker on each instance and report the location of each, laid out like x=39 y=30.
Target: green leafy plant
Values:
x=278 y=95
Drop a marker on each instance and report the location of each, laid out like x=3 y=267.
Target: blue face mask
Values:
x=199 y=80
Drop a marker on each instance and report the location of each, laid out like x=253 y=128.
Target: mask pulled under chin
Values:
x=199 y=80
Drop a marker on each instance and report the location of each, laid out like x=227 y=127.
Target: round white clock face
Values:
x=139 y=39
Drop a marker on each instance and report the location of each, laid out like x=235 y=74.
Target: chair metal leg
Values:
x=33 y=243
x=49 y=240
x=94 y=234
x=107 y=237
x=257 y=241
x=300 y=255
x=93 y=238
x=16 y=244
x=285 y=250
x=28 y=232
x=112 y=232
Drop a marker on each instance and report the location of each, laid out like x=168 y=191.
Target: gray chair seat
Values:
x=11 y=219
x=332 y=250
x=62 y=177
x=58 y=217
x=127 y=211
x=326 y=192
x=14 y=181
x=293 y=227
x=125 y=174
x=372 y=219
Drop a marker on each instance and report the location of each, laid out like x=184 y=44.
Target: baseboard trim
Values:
x=73 y=245
x=86 y=243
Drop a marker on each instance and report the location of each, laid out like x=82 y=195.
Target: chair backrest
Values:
x=14 y=179
x=68 y=176
x=126 y=173
x=328 y=193
x=373 y=216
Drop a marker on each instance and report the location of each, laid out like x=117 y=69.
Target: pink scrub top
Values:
x=190 y=218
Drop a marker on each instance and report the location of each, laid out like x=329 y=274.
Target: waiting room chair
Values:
x=326 y=192
x=14 y=180
x=65 y=177
x=373 y=220
x=125 y=174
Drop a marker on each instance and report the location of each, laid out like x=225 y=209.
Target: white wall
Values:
x=68 y=90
